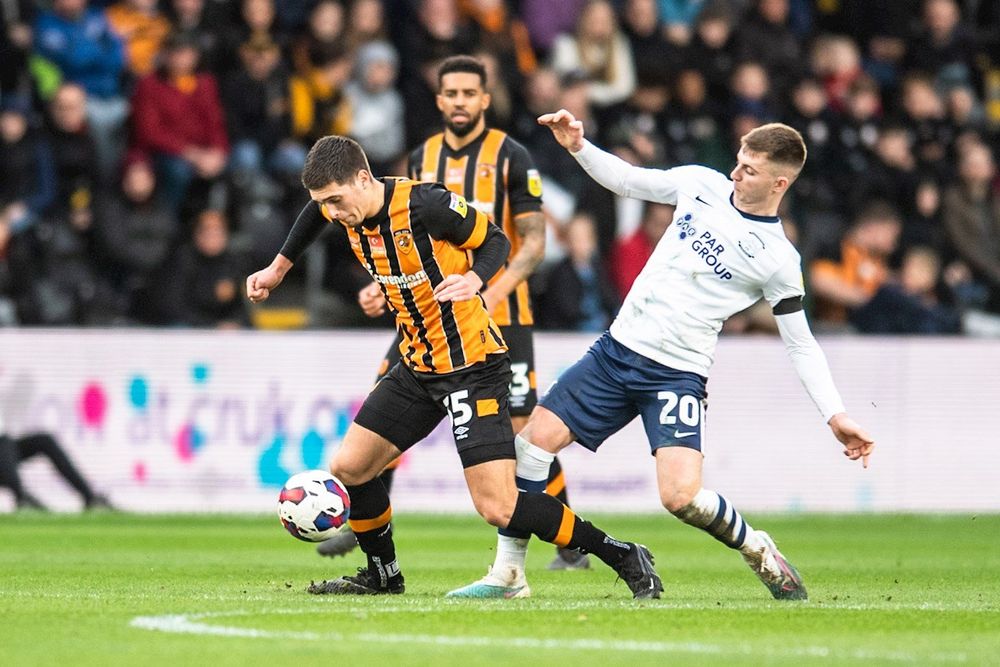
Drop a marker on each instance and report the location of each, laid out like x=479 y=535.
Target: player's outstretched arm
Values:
x=612 y=172
x=814 y=372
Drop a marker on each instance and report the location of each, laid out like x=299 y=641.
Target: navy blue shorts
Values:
x=607 y=388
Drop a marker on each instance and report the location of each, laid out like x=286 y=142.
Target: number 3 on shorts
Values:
x=520 y=385
x=687 y=408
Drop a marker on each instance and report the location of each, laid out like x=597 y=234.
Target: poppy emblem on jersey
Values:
x=534 y=183
x=404 y=239
x=487 y=170
x=377 y=246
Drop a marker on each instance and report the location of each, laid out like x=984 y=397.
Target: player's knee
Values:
x=545 y=430
x=495 y=510
x=351 y=472
x=676 y=499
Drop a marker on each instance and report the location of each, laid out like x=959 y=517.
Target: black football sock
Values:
x=556 y=484
x=553 y=522
x=370 y=519
x=387 y=476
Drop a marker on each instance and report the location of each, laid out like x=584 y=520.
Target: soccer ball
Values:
x=313 y=505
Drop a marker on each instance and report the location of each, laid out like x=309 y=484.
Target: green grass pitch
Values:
x=121 y=589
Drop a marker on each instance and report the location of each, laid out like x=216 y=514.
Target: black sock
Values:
x=370 y=520
x=387 y=476
x=556 y=484
x=553 y=522
x=9 y=476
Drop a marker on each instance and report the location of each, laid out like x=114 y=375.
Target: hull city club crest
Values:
x=404 y=239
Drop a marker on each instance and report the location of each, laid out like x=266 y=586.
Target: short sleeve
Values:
x=524 y=183
x=786 y=282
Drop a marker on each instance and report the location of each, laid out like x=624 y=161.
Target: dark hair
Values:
x=333 y=159
x=462 y=64
x=779 y=143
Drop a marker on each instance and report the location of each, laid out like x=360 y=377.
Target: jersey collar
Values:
x=383 y=213
x=751 y=216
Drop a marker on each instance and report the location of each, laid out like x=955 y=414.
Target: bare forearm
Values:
x=531 y=229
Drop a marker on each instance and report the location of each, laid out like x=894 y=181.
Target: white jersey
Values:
x=712 y=262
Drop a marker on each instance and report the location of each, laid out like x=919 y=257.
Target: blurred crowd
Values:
x=150 y=151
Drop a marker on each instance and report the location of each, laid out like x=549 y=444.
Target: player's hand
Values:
x=567 y=130
x=857 y=443
x=458 y=287
x=260 y=284
x=371 y=300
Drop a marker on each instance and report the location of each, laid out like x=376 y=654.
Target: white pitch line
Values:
x=192 y=624
x=499 y=606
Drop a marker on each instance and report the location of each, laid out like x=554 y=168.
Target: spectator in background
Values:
x=847 y=277
x=546 y=20
x=836 y=60
x=208 y=277
x=971 y=213
x=256 y=99
x=16 y=18
x=142 y=27
x=28 y=186
x=630 y=254
x=134 y=233
x=765 y=36
x=377 y=108
x=713 y=49
x=911 y=305
x=325 y=29
x=318 y=104
x=815 y=190
x=259 y=20
x=923 y=114
x=751 y=92
x=578 y=296
x=504 y=35
x=440 y=31
x=81 y=43
x=656 y=59
x=891 y=174
x=679 y=18
x=693 y=124
x=923 y=225
x=199 y=21
x=15 y=450
x=943 y=47
x=365 y=23
x=179 y=121
x=74 y=155
x=598 y=47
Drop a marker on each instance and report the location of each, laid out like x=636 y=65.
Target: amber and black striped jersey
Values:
x=422 y=234
x=496 y=175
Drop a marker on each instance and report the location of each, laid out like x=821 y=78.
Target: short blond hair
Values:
x=777 y=142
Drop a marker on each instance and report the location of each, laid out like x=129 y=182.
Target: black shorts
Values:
x=523 y=391
x=404 y=407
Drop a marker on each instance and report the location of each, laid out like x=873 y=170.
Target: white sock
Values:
x=508 y=565
x=719 y=518
x=532 y=473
